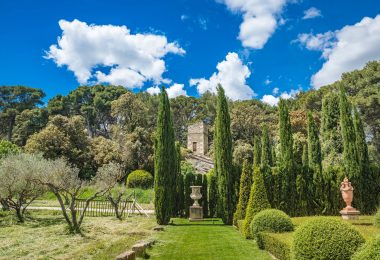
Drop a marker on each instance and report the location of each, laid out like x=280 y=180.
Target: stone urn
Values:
x=196 y=194
x=347 y=191
x=196 y=211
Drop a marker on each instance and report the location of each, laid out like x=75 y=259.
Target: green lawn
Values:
x=203 y=240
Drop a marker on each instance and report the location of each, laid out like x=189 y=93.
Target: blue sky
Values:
x=275 y=54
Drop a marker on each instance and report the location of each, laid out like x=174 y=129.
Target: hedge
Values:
x=280 y=248
x=326 y=239
x=271 y=220
x=140 y=179
x=376 y=219
x=370 y=250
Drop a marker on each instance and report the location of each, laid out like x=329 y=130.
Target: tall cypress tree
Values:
x=288 y=176
x=223 y=159
x=350 y=154
x=179 y=200
x=165 y=162
x=212 y=191
x=189 y=180
x=266 y=148
x=245 y=188
x=256 y=151
x=204 y=195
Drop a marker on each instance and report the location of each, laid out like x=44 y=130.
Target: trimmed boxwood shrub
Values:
x=278 y=247
x=140 y=179
x=376 y=219
x=271 y=220
x=323 y=238
x=370 y=250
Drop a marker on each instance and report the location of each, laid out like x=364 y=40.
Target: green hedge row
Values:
x=275 y=246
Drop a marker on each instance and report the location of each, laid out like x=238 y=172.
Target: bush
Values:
x=326 y=239
x=370 y=250
x=280 y=248
x=271 y=220
x=140 y=179
x=7 y=148
x=376 y=219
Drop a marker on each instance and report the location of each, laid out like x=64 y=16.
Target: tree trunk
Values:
x=19 y=214
x=4 y=205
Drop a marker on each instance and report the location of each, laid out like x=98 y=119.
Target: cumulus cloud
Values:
x=132 y=59
x=173 y=91
x=317 y=42
x=260 y=19
x=350 y=48
x=232 y=75
x=274 y=99
x=311 y=13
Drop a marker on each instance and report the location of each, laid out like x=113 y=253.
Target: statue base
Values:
x=196 y=213
x=349 y=213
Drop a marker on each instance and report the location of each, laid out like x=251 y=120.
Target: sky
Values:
x=264 y=49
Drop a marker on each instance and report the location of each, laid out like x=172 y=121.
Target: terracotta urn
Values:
x=196 y=194
x=347 y=193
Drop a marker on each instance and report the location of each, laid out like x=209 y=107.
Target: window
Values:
x=194 y=146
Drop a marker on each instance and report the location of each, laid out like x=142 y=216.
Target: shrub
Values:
x=370 y=250
x=258 y=201
x=245 y=188
x=271 y=220
x=140 y=179
x=326 y=239
x=7 y=148
x=280 y=248
x=376 y=219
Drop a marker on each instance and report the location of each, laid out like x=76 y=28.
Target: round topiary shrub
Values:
x=377 y=219
x=271 y=220
x=370 y=250
x=323 y=238
x=140 y=179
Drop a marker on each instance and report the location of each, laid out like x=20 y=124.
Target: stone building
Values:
x=197 y=138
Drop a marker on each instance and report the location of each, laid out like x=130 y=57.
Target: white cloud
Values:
x=260 y=19
x=350 y=48
x=317 y=42
x=311 y=13
x=202 y=23
x=267 y=81
x=232 y=75
x=274 y=99
x=133 y=58
x=173 y=91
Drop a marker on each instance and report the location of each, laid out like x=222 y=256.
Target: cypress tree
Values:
x=164 y=162
x=223 y=159
x=188 y=181
x=266 y=149
x=179 y=200
x=305 y=157
x=256 y=151
x=257 y=202
x=288 y=176
x=212 y=193
x=204 y=196
x=245 y=188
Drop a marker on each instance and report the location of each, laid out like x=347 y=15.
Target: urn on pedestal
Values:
x=347 y=190
x=196 y=211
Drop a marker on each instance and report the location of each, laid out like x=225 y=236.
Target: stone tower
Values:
x=197 y=138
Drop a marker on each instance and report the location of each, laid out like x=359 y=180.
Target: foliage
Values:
x=104 y=151
x=377 y=219
x=65 y=137
x=257 y=202
x=189 y=180
x=370 y=250
x=204 y=196
x=245 y=188
x=242 y=152
x=326 y=239
x=266 y=148
x=212 y=192
x=277 y=247
x=7 y=148
x=165 y=168
x=140 y=179
x=256 y=151
x=223 y=159
x=18 y=187
x=179 y=190
x=270 y=220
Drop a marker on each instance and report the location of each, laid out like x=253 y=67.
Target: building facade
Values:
x=197 y=138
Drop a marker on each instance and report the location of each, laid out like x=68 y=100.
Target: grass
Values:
x=45 y=235
x=203 y=240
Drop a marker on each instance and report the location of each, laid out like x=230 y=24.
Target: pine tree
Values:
x=179 y=200
x=223 y=159
x=256 y=151
x=245 y=188
x=164 y=162
x=287 y=170
x=257 y=202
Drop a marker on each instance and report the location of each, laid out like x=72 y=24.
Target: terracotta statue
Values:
x=347 y=190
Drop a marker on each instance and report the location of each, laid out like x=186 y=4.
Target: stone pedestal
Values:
x=349 y=213
x=196 y=213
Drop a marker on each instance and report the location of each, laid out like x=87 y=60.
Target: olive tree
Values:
x=17 y=186
x=62 y=179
